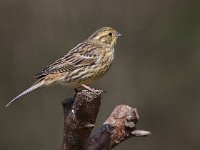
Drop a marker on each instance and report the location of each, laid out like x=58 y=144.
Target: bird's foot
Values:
x=88 y=88
x=92 y=89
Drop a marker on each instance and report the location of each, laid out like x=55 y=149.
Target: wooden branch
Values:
x=80 y=115
x=120 y=125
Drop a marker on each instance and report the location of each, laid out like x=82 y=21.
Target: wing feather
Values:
x=82 y=55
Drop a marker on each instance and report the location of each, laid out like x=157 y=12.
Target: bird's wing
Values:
x=82 y=55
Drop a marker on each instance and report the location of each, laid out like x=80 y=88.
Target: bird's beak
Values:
x=119 y=34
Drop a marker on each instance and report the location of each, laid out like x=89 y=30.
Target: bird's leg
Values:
x=91 y=89
x=88 y=88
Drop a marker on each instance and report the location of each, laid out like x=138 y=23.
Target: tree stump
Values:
x=80 y=115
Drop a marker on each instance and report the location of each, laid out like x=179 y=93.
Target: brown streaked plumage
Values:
x=82 y=65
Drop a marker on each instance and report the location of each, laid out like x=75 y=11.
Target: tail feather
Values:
x=36 y=85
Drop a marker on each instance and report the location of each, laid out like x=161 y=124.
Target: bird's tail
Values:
x=36 y=85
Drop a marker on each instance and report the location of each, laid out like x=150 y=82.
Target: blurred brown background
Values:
x=156 y=68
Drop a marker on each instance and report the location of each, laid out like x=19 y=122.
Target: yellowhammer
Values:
x=82 y=65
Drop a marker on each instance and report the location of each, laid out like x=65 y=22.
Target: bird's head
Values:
x=106 y=35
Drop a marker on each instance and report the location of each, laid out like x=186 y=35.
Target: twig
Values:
x=120 y=125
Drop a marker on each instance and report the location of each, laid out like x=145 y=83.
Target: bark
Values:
x=119 y=126
x=80 y=115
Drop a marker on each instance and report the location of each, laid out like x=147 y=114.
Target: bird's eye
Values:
x=110 y=33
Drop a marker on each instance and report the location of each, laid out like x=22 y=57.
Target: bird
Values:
x=82 y=65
